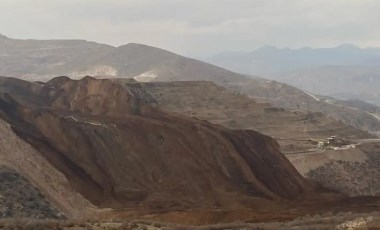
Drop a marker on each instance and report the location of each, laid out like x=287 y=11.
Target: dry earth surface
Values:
x=207 y=101
x=326 y=221
x=118 y=151
x=344 y=170
x=66 y=128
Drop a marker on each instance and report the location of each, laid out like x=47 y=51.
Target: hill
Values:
x=345 y=72
x=117 y=151
x=112 y=142
x=345 y=170
x=208 y=101
x=42 y=60
x=341 y=169
x=283 y=95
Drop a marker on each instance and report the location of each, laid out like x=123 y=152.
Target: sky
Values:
x=197 y=28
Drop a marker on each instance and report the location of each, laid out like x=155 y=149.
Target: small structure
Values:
x=331 y=140
x=321 y=144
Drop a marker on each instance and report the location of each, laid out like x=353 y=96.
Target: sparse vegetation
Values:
x=328 y=220
x=350 y=177
x=19 y=199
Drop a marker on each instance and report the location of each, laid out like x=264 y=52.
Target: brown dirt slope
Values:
x=283 y=95
x=118 y=151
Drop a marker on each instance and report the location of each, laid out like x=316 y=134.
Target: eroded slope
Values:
x=117 y=150
x=207 y=101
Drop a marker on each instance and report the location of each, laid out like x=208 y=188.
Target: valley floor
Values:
x=329 y=220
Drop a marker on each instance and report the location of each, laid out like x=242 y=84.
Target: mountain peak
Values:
x=3 y=37
x=267 y=48
x=347 y=46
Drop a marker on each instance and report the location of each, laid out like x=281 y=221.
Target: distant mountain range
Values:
x=345 y=72
x=41 y=60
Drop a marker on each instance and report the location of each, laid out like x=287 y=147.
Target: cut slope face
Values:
x=207 y=101
x=116 y=150
x=279 y=94
x=344 y=170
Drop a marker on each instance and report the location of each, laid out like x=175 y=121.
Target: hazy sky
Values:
x=197 y=27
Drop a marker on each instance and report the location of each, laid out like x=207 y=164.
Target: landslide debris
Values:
x=118 y=151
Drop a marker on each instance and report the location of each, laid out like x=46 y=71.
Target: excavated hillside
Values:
x=118 y=151
x=344 y=170
x=279 y=94
x=207 y=101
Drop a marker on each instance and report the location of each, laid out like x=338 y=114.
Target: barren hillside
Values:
x=118 y=151
x=41 y=60
x=352 y=171
x=207 y=101
x=343 y=170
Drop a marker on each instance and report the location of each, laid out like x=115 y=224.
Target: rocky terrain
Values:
x=43 y=60
x=117 y=151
